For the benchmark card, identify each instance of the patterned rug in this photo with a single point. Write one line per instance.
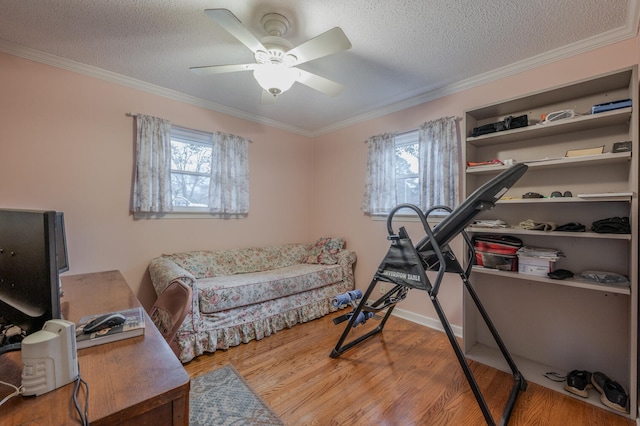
(223, 397)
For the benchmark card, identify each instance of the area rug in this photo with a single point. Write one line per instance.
(223, 397)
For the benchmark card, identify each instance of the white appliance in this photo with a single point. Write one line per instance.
(49, 357)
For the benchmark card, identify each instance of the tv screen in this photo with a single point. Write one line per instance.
(29, 285)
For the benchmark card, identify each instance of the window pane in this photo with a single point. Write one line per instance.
(408, 190)
(189, 190)
(190, 157)
(190, 167)
(407, 159)
(406, 163)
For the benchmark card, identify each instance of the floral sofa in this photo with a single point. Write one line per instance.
(243, 294)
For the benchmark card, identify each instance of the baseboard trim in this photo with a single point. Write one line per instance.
(426, 321)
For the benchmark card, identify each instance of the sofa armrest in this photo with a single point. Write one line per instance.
(347, 259)
(164, 271)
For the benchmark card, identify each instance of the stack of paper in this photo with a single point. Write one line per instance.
(493, 223)
(550, 254)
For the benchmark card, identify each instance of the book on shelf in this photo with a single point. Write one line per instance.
(133, 326)
(585, 151)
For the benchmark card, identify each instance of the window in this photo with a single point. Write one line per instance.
(209, 172)
(178, 169)
(418, 167)
(190, 168)
(407, 155)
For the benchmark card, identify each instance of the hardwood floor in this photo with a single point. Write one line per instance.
(407, 375)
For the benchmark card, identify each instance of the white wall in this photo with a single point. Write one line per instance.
(66, 144)
(341, 160)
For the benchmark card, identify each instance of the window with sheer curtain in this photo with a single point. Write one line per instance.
(418, 167)
(209, 172)
(184, 170)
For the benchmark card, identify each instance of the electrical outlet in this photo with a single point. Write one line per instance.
(382, 287)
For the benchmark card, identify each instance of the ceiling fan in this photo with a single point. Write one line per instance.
(276, 59)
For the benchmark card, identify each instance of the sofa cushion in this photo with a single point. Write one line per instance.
(231, 291)
(207, 264)
(325, 250)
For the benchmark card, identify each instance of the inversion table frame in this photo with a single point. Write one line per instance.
(405, 265)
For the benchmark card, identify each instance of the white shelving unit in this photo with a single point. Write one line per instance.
(562, 325)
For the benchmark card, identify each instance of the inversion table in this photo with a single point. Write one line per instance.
(405, 266)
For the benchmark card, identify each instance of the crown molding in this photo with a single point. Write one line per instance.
(628, 31)
(112, 77)
(551, 56)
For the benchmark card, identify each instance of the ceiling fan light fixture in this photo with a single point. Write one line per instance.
(275, 78)
(276, 59)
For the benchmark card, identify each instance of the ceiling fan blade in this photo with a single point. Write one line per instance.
(327, 43)
(221, 69)
(229, 22)
(267, 98)
(321, 84)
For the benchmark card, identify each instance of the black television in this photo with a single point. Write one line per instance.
(32, 255)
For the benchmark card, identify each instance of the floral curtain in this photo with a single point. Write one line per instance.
(380, 186)
(152, 182)
(229, 186)
(439, 163)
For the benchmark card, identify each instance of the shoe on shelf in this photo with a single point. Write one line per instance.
(578, 382)
(598, 380)
(613, 394)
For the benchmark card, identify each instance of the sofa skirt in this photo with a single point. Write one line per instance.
(225, 329)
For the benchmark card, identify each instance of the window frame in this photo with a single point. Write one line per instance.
(410, 137)
(192, 137)
(407, 138)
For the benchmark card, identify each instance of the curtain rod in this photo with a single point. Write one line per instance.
(133, 114)
(413, 130)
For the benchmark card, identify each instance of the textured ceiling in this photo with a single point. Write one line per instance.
(404, 51)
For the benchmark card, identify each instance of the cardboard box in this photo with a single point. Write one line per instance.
(535, 266)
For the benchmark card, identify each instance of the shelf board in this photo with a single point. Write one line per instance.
(569, 282)
(614, 197)
(576, 124)
(532, 372)
(520, 231)
(563, 162)
(563, 200)
(555, 95)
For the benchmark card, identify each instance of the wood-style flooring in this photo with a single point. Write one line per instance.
(406, 375)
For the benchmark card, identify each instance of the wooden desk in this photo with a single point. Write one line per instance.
(133, 381)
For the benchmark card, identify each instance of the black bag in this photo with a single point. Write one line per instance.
(497, 251)
(509, 122)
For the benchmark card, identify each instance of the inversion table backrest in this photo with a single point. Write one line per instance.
(482, 198)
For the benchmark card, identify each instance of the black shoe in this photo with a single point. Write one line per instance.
(613, 394)
(578, 381)
(598, 380)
